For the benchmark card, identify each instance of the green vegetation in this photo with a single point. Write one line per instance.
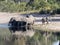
(42, 6)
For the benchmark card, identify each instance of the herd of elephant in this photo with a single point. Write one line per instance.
(24, 22)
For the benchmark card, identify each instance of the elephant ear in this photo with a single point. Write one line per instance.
(32, 17)
(11, 19)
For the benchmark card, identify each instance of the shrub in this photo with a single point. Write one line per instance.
(53, 12)
(42, 12)
(58, 11)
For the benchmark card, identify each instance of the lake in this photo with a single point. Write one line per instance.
(31, 37)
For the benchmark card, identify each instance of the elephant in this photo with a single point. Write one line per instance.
(30, 19)
(21, 23)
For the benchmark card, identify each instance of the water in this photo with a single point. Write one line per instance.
(32, 37)
(4, 25)
(56, 43)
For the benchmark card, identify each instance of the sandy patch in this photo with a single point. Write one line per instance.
(5, 17)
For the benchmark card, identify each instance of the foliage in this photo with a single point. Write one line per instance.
(42, 5)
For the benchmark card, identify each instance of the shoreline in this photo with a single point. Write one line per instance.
(5, 17)
(52, 26)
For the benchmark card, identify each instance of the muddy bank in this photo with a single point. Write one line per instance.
(5, 17)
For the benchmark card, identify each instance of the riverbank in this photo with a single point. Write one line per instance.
(5, 17)
(51, 27)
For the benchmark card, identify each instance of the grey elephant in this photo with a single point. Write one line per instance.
(21, 23)
(30, 21)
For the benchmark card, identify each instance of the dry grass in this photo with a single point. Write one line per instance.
(28, 12)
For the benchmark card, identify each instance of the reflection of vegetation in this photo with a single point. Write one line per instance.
(38, 38)
(3, 35)
(35, 39)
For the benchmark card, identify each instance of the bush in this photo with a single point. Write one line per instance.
(43, 6)
(53, 12)
(12, 7)
(58, 11)
(44, 12)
